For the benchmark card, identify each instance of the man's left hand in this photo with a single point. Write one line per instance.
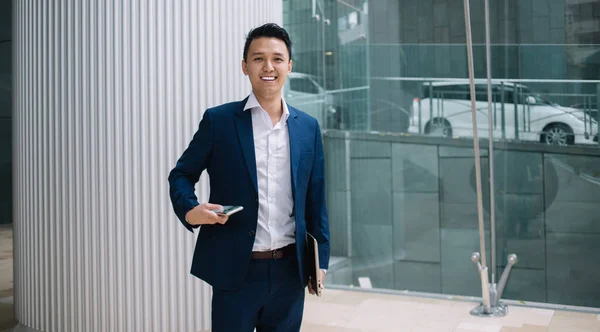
(322, 286)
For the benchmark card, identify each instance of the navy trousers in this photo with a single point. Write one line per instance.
(271, 299)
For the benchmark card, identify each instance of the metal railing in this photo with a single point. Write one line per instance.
(507, 94)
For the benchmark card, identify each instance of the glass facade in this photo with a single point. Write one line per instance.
(388, 80)
(5, 112)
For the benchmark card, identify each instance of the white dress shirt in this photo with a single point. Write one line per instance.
(276, 224)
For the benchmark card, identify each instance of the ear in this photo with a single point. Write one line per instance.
(244, 69)
(290, 66)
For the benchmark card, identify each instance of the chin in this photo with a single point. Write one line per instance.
(268, 90)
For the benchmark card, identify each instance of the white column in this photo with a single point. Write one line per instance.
(107, 95)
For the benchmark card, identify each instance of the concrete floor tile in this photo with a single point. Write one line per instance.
(328, 314)
(324, 328)
(575, 315)
(479, 327)
(354, 311)
(525, 328)
(564, 323)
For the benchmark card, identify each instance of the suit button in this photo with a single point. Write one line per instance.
(251, 233)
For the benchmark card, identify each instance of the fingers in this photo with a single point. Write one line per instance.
(204, 214)
(215, 218)
(209, 215)
(210, 206)
(222, 219)
(310, 290)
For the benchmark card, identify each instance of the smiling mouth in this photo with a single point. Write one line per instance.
(268, 78)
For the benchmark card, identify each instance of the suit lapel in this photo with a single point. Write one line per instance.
(243, 122)
(294, 129)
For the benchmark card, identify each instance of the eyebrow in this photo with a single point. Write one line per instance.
(261, 53)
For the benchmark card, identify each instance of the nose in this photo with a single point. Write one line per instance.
(268, 66)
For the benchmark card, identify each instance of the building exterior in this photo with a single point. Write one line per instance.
(403, 206)
(5, 112)
(106, 96)
(96, 102)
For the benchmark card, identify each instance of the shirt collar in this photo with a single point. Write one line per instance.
(253, 103)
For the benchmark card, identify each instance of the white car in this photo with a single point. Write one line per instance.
(303, 92)
(445, 110)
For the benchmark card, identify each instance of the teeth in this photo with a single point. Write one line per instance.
(268, 78)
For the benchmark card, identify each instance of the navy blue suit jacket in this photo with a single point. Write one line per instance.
(224, 146)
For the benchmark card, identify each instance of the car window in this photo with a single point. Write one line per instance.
(456, 92)
(303, 84)
(521, 94)
(509, 94)
(481, 93)
(462, 92)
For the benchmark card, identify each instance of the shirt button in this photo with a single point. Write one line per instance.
(251, 233)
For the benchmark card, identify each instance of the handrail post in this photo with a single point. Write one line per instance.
(598, 111)
(490, 292)
(503, 115)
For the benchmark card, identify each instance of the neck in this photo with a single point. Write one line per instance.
(271, 104)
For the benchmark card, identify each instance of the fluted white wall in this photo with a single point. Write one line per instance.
(107, 94)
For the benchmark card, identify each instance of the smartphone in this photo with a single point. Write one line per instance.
(228, 210)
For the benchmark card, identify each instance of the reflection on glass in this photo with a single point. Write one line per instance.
(443, 109)
(387, 80)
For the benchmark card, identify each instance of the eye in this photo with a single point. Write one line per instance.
(258, 59)
(279, 59)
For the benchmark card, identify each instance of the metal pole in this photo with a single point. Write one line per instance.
(484, 279)
(431, 105)
(502, 109)
(523, 102)
(323, 48)
(491, 292)
(420, 117)
(491, 138)
(322, 18)
(368, 65)
(597, 111)
(588, 111)
(475, 135)
(516, 103)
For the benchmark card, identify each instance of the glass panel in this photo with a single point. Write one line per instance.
(399, 142)
(6, 202)
(572, 228)
(303, 85)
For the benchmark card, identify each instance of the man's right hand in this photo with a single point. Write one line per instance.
(202, 215)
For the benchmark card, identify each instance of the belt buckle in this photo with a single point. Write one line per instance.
(277, 254)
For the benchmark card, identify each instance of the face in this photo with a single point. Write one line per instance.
(267, 65)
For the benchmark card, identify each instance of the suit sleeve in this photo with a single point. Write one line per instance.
(316, 209)
(189, 167)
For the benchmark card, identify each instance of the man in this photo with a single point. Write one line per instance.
(267, 157)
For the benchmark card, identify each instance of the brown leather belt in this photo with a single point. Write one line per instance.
(275, 254)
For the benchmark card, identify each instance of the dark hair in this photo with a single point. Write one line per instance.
(271, 30)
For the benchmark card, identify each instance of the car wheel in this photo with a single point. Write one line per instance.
(438, 127)
(557, 134)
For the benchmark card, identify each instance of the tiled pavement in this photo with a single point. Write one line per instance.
(353, 311)
(6, 277)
